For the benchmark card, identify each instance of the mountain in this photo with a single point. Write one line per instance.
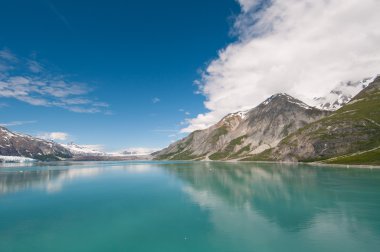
(18, 145)
(242, 133)
(351, 135)
(83, 150)
(341, 94)
(15, 147)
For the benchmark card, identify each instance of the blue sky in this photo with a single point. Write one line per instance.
(122, 73)
(118, 73)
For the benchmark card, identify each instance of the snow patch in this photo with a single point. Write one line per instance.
(16, 159)
(341, 94)
(289, 98)
(83, 150)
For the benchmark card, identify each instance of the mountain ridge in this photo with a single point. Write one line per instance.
(15, 144)
(347, 134)
(245, 132)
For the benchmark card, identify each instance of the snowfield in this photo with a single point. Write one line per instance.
(15, 159)
(83, 150)
(342, 94)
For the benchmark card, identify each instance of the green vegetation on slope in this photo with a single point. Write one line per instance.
(240, 152)
(226, 152)
(371, 157)
(218, 133)
(186, 155)
(179, 152)
(263, 156)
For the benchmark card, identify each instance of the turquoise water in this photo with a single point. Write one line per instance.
(153, 206)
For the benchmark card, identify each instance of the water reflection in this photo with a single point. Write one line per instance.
(290, 196)
(52, 177)
(240, 196)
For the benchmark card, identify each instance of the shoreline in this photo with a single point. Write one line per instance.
(348, 166)
(148, 158)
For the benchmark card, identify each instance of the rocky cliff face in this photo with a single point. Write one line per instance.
(244, 133)
(13, 144)
(350, 132)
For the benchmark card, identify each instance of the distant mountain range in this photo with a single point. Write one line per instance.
(15, 147)
(83, 150)
(283, 128)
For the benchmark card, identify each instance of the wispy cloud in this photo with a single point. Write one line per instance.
(303, 48)
(28, 81)
(139, 150)
(59, 15)
(156, 100)
(6, 54)
(95, 147)
(184, 111)
(34, 66)
(16, 123)
(61, 136)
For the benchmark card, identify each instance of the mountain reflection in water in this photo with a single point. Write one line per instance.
(212, 206)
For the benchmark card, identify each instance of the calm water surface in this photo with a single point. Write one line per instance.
(157, 206)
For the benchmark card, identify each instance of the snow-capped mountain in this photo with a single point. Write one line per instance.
(83, 150)
(19, 145)
(342, 94)
(15, 147)
(80, 151)
(248, 132)
(350, 134)
(288, 98)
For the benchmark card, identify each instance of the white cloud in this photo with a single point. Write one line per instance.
(61, 136)
(6, 54)
(34, 66)
(301, 47)
(156, 100)
(247, 5)
(16, 123)
(95, 147)
(139, 150)
(27, 81)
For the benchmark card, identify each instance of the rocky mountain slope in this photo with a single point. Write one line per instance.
(349, 135)
(14, 144)
(243, 133)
